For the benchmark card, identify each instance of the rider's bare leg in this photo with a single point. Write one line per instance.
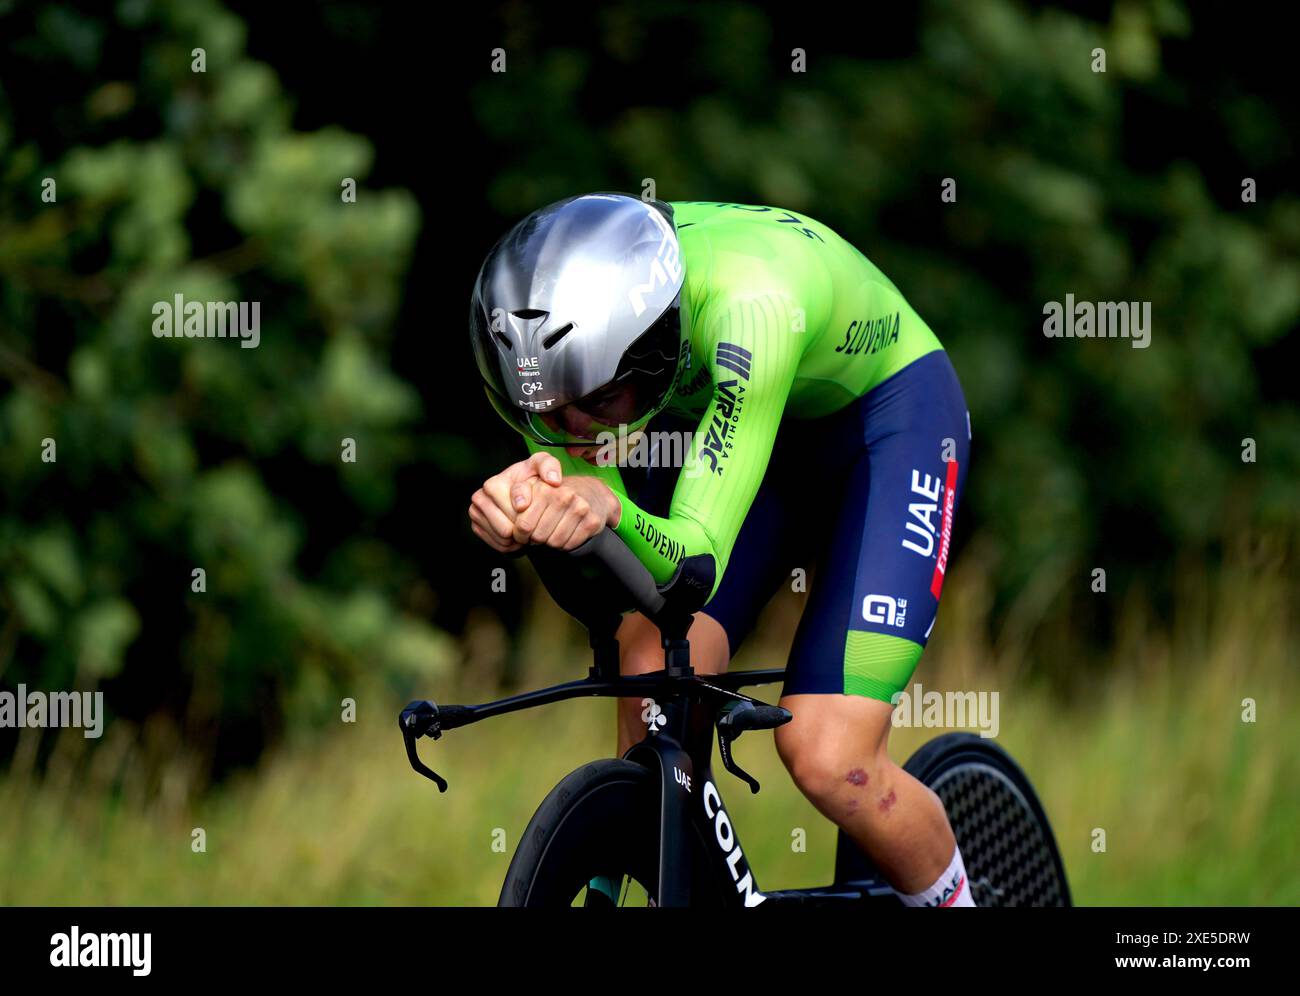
(836, 749)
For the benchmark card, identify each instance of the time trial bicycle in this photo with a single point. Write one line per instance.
(651, 828)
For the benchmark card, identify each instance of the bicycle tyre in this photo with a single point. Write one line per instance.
(602, 819)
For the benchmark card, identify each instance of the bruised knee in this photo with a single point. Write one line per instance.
(839, 782)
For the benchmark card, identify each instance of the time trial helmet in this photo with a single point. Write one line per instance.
(576, 318)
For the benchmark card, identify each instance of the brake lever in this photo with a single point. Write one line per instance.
(724, 749)
(735, 718)
(418, 719)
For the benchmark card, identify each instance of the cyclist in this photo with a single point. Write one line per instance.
(738, 384)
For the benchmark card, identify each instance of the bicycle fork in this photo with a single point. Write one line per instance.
(690, 802)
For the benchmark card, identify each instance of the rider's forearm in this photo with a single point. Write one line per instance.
(661, 543)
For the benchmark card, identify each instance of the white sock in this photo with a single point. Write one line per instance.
(951, 889)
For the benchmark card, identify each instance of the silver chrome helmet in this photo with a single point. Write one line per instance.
(576, 318)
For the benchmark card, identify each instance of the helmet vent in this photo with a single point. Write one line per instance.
(556, 336)
(529, 313)
(503, 340)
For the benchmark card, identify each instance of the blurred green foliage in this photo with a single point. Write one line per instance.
(166, 455)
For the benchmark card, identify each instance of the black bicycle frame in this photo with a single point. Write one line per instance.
(678, 746)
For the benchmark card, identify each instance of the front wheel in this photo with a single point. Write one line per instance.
(594, 841)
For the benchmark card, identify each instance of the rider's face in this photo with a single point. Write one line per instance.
(599, 412)
(572, 421)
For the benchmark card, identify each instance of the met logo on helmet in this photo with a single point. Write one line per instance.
(665, 266)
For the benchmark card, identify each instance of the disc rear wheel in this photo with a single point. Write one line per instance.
(1006, 842)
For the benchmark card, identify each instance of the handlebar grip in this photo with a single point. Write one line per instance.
(614, 555)
(749, 714)
(769, 717)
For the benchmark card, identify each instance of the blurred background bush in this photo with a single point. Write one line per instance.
(328, 579)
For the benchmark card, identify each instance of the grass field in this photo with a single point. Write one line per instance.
(1198, 807)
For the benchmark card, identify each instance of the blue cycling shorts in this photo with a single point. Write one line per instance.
(867, 497)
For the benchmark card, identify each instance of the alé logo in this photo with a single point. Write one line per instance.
(885, 610)
(665, 266)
